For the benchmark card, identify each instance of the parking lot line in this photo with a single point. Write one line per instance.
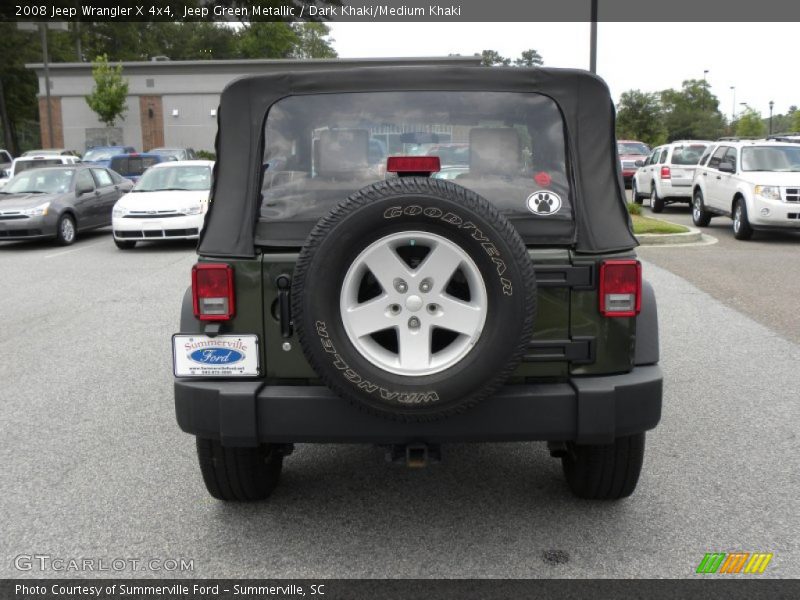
(63, 252)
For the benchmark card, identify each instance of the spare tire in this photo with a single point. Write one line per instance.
(414, 298)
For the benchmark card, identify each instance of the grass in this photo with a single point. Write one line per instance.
(648, 225)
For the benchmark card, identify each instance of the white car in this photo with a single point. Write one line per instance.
(169, 202)
(755, 183)
(667, 174)
(35, 161)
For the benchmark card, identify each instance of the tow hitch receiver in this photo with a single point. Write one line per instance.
(414, 456)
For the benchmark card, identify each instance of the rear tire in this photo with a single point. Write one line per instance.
(239, 474)
(604, 472)
(124, 245)
(741, 223)
(700, 216)
(656, 202)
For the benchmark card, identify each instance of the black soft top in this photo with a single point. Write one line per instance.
(602, 221)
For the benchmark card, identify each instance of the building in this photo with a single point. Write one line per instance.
(170, 103)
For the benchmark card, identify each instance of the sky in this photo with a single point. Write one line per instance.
(758, 59)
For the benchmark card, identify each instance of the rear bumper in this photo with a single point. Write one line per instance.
(588, 410)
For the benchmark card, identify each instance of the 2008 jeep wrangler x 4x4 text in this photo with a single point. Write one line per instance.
(346, 294)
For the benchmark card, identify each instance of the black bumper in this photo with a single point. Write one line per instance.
(588, 410)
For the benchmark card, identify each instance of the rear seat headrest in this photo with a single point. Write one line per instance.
(494, 151)
(342, 152)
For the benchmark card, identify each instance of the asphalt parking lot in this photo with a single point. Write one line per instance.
(94, 464)
(760, 277)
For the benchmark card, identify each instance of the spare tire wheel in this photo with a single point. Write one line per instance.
(414, 298)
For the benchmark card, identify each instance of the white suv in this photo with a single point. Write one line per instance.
(756, 183)
(666, 176)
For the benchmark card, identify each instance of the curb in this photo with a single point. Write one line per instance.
(693, 236)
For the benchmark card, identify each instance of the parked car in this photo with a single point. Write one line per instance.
(36, 161)
(755, 183)
(131, 166)
(630, 153)
(176, 153)
(667, 174)
(168, 202)
(334, 306)
(58, 202)
(102, 155)
(52, 152)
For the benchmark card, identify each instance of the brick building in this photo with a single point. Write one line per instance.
(170, 103)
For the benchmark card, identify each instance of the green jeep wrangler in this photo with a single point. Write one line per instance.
(409, 256)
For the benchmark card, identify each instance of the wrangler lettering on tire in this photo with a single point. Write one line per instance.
(414, 298)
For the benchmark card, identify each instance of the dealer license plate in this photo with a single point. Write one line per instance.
(220, 356)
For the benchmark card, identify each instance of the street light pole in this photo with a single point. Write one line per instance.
(733, 107)
(43, 31)
(771, 104)
(593, 39)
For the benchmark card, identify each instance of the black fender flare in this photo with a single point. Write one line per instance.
(647, 346)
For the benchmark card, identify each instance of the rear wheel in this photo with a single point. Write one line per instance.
(65, 230)
(700, 216)
(239, 474)
(656, 202)
(604, 472)
(125, 245)
(741, 224)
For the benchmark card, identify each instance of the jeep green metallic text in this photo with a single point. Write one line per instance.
(344, 293)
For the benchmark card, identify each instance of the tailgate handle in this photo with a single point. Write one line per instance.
(284, 283)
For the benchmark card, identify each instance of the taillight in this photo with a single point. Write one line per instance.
(620, 288)
(665, 173)
(212, 291)
(413, 164)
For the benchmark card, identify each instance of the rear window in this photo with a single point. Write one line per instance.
(633, 148)
(688, 155)
(24, 165)
(507, 147)
(132, 165)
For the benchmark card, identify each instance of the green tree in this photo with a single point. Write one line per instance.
(795, 120)
(313, 41)
(639, 117)
(261, 39)
(529, 58)
(692, 112)
(110, 91)
(750, 124)
(491, 58)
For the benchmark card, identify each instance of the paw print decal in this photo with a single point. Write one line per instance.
(544, 203)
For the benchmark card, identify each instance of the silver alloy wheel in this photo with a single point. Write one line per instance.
(696, 209)
(737, 218)
(67, 229)
(413, 302)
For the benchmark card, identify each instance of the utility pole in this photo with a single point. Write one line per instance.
(593, 39)
(733, 108)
